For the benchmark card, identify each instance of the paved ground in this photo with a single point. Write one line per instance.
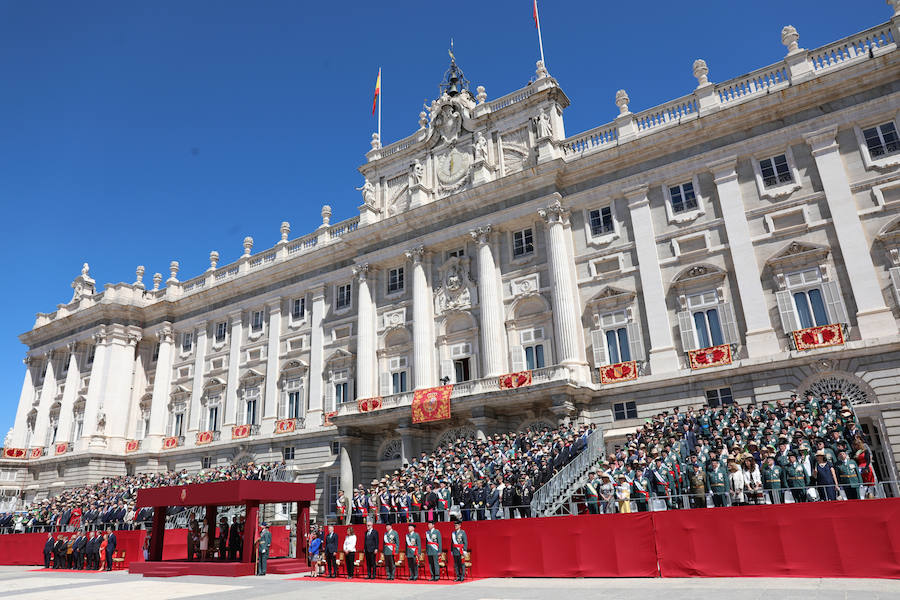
(21, 584)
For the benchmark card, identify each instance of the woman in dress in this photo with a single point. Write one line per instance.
(315, 548)
(752, 481)
(826, 478)
(350, 552)
(204, 544)
(103, 558)
(736, 478)
(863, 457)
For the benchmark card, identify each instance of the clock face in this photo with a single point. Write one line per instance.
(453, 167)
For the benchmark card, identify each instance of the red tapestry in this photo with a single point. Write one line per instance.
(367, 404)
(62, 447)
(36, 453)
(204, 437)
(14, 453)
(625, 371)
(515, 380)
(285, 425)
(819, 337)
(716, 356)
(326, 418)
(432, 404)
(169, 443)
(132, 446)
(239, 432)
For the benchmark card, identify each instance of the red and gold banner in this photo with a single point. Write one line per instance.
(204, 437)
(36, 453)
(432, 404)
(62, 448)
(326, 418)
(132, 446)
(515, 380)
(367, 404)
(239, 432)
(14, 453)
(715, 356)
(285, 425)
(169, 443)
(624, 371)
(819, 337)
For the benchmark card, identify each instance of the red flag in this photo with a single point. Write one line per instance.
(535, 15)
(378, 90)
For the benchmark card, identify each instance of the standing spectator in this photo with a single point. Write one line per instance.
(350, 552)
(331, 548)
(110, 549)
(262, 545)
(48, 550)
(104, 544)
(315, 549)
(848, 476)
(736, 483)
(697, 483)
(863, 457)
(223, 538)
(753, 484)
(717, 482)
(623, 494)
(370, 547)
(826, 478)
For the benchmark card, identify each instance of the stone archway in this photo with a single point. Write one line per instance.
(853, 389)
(451, 434)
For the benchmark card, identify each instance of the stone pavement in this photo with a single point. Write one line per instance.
(20, 583)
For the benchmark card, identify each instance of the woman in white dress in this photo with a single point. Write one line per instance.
(736, 478)
(204, 544)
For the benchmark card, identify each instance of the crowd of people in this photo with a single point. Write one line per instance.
(798, 450)
(92, 550)
(491, 478)
(110, 503)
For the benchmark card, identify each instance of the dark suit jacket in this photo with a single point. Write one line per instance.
(234, 536)
(331, 542)
(111, 543)
(371, 542)
(48, 546)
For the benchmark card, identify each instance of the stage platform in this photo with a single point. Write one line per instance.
(177, 568)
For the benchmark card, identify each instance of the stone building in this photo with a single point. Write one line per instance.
(737, 244)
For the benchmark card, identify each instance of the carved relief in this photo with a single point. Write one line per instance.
(457, 289)
(515, 150)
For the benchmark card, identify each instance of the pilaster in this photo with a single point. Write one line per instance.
(73, 380)
(26, 398)
(491, 326)
(270, 399)
(97, 385)
(234, 363)
(159, 403)
(365, 337)
(48, 393)
(316, 354)
(200, 342)
(423, 320)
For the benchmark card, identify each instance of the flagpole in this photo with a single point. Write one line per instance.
(380, 87)
(537, 19)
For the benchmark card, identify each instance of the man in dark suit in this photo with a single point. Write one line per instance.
(48, 550)
(331, 547)
(223, 538)
(60, 553)
(370, 548)
(493, 501)
(234, 539)
(89, 552)
(78, 552)
(110, 549)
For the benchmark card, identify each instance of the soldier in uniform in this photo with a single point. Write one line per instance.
(433, 550)
(443, 494)
(848, 475)
(263, 544)
(525, 492)
(773, 476)
(372, 501)
(384, 506)
(795, 478)
(415, 501)
(697, 487)
(223, 538)
(641, 487)
(592, 494)
(413, 549)
(717, 482)
(356, 512)
(479, 497)
(459, 545)
(403, 507)
(391, 549)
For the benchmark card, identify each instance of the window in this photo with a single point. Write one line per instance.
(617, 340)
(334, 484)
(810, 308)
(523, 242)
(462, 370)
(221, 331)
(342, 299)
(212, 417)
(397, 366)
(92, 351)
(335, 448)
(683, 197)
(341, 382)
(287, 453)
(882, 140)
(458, 253)
(532, 344)
(617, 345)
(601, 221)
(256, 320)
(155, 356)
(705, 312)
(775, 171)
(206, 462)
(78, 426)
(293, 390)
(719, 397)
(809, 301)
(625, 410)
(251, 399)
(298, 308)
(187, 341)
(177, 425)
(395, 280)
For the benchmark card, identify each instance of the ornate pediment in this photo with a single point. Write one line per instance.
(611, 296)
(798, 253)
(890, 233)
(697, 274)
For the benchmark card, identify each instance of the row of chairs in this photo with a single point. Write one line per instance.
(401, 564)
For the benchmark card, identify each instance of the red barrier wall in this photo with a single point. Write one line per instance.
(858, 538)
(28, 548)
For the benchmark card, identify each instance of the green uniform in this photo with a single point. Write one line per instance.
(717, 482)
(848, 478)
(265, 542)
(796, 480)
(773, 477)
(592, 496)
(433, 550)
(413, 549)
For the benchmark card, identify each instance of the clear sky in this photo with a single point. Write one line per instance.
(135, 133)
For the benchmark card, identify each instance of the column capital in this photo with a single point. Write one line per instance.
(166, 333)
(822, 141)
(415, 254)
(482, 235)
(636, 195)
(200, 326)
(555, 212)
(101, 337)
(723, 170)
(72, 347)
(235, 317)
(361, 271)
(28, 360)
(318, 291)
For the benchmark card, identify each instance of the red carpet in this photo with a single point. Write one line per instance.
(68, 570)
(397, 581)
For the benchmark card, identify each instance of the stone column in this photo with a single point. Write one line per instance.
(761, 337)
(270, 400)
(26, 398)
(482, 419)
(200, 341)
(347, 440)
(875, 320)
(48, 394)
(159, 404)
(663, 356)
(94, 400)
(316, 355)
(567, 329)
(423, 321)
(116, 393)
(365, 335)
(407, 434)
(491, 326)
(234, 362)
(73, 380)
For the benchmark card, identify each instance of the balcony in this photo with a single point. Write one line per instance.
(173, 442)
(63, 448)
(132, 446)
(823, 336)
(239, 432)
(289, 425)
(206, 437)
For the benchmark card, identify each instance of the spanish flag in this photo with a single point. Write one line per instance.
(377, 91)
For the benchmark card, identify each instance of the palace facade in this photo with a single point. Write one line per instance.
(737, 244)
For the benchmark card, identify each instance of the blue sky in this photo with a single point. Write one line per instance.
(139, 133)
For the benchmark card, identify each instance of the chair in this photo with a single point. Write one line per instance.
(339, 560)
(400, 563)
(118, 560)
(379, 563)
(467, 560)
(442, 565)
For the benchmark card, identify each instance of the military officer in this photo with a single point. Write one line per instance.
(459, 545)
(697, 487)
(592, 494)
(433, 550)
(391, 550)
(443, 494)
(773, 475)
(263, 544)
(795, 478)
(717, 482)
(413, 549)
(415, 503)
(343, 508)
(848, 475)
